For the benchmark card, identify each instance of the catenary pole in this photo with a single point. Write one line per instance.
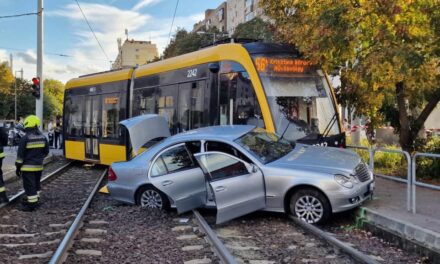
(40, 39)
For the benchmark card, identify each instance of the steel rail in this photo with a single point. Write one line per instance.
(222, 252)
(50, 175)
(61, 252)
(352, 252)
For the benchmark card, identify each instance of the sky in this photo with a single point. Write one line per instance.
(70, 49)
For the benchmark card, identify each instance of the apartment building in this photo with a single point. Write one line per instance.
(241, 11)
(213, 18)
(134, 52)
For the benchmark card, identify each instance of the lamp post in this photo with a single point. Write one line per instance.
(15, 91)
(213, 35)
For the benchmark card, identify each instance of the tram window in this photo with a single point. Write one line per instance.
(144, 101)
(74, 116)
(166, 105)
(236, 87)
(110, 115)
(190, 109)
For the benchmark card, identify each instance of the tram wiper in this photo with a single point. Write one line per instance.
(329, 125)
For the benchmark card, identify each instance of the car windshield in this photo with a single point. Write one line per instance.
(265, 146)
(298, 94)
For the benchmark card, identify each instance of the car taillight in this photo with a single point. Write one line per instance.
(111, 174)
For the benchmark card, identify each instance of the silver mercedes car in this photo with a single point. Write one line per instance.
(236, 170)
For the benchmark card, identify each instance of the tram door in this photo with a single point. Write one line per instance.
(92, 126)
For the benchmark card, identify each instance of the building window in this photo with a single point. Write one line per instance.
(221, 14)
(137, 57)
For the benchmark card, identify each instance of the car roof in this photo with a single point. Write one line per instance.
(229, 132)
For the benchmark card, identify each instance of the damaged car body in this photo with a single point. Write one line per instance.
(238, 170)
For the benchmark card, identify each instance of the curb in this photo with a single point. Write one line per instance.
(416, 238)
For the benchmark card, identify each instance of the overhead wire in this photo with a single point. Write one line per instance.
(48, 53)
(172, 22)
(20, 15)
(93, 32)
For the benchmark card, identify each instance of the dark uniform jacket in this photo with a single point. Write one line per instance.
(3, 141)
(32, 149)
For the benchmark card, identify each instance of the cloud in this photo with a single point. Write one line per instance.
(109, 23)
(27, 57)
(144, 3)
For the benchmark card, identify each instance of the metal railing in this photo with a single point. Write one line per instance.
(414, 177)
(411, 177)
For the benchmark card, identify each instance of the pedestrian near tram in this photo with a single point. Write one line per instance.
(3, 142)
(32, 149)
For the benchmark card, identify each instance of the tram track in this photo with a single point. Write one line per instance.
(277, 240)
(33, 237)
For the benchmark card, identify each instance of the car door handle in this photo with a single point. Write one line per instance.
(168, 182)
(220, 189)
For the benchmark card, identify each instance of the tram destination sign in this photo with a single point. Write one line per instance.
(274, 65)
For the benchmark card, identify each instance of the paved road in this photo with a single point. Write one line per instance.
(9, 161)
(390, 200)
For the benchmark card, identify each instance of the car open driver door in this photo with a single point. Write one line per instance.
(238, 186)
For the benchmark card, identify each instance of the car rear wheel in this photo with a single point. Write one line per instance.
(150, 197)
(310, 205)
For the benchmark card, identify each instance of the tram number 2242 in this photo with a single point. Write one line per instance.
(191, 73)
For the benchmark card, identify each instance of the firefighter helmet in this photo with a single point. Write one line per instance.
(31, 122)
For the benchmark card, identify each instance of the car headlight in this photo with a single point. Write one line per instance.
(344, 181)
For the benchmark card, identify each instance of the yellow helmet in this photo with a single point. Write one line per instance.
(31, 122)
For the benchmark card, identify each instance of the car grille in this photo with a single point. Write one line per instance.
(362, 172)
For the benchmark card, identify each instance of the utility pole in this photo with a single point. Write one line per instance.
(40, 40)
(15, 86)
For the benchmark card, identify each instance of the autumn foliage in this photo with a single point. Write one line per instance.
(383, 48)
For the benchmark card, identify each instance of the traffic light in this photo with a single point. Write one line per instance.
(36, 87)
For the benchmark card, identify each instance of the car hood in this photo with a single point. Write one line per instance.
(327, 158)
(144, 128)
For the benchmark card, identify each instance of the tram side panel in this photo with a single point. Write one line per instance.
(91, 117)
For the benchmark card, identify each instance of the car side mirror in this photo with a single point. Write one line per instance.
(251, 168)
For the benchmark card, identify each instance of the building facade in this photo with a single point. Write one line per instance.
(214, 18)
(133, 53)
(241, 11)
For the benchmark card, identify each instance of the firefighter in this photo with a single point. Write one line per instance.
(32, 149)
(3, 142)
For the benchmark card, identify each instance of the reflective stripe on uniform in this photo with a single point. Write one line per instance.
(2, 189)
(32, 198)
(19, 161)
(35, 144)
(32, 168)
(2, 155)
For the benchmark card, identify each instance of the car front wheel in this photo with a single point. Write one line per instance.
(150, 197)
(310, 205)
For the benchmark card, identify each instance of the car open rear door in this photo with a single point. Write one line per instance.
(182, 180)
(238, 187)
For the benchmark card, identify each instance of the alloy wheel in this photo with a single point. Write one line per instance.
(151, 199)
(309, 209)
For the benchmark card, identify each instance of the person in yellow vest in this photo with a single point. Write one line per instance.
(32, 149)
(3, 142)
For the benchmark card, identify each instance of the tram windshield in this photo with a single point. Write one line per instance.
(299, 97)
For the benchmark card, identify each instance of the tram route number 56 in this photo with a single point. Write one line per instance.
(191, 73)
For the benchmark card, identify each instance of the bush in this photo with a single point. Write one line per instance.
(428, 168)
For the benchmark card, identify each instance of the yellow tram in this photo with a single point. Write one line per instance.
(263, 84)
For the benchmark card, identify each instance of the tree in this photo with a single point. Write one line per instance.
(256, 28)
(185, 42)
(384, 48)
(53, 98)
(6, 78)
